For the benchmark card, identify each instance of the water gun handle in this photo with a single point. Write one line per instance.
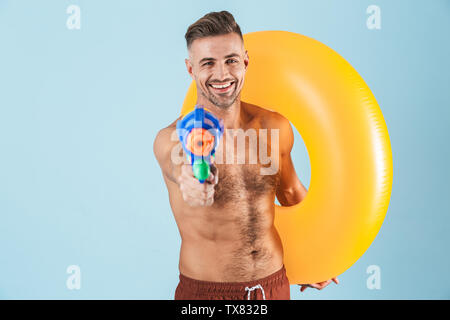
(201, 169)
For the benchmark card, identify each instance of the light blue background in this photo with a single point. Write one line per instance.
(79, 110)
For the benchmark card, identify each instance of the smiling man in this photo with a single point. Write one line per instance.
(230, 248)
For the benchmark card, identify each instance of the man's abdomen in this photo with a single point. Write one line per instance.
(232, 260)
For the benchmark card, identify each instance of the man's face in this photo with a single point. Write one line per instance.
(218, 61)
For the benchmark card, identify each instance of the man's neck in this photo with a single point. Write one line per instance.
(231, 116)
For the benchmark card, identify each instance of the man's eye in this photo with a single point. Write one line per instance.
(207, 63)
(232, 60)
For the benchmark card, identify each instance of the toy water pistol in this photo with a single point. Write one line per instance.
(200, 132)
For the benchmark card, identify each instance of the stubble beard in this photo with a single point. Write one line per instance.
(222, 105)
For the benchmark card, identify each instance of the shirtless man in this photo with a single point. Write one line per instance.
(230, 248)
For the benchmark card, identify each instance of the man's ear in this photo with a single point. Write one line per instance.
(189, 67)
(246, 58)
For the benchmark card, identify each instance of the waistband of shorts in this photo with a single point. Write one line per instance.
(204, 286)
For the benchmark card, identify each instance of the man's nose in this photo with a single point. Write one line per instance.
(222, 72)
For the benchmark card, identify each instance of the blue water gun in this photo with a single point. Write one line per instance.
(200, 132)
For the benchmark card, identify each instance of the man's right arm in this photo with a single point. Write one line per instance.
(162, 148)
(194, 193)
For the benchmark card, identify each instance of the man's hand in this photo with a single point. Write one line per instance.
(194, 192)
(318, 285)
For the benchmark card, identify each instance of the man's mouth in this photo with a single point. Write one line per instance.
(222, 87)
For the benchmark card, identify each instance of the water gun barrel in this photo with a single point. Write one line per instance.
(200, 132)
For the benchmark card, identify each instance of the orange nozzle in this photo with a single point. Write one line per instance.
(200, 142)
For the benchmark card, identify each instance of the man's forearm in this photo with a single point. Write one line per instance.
(292, 196)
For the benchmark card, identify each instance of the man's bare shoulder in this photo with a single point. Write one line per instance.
(165, 140)
(271, 119)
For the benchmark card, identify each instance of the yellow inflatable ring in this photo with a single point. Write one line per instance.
(347, 140)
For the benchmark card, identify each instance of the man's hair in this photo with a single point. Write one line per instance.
(212, 24)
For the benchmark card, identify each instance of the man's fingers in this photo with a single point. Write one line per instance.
(213, 167)
(213, 176)
(306, 286)
(188, 178)
(186, 169)
(193, 183)
(194, 201)
(324, 284)
(198, 202)
(199, 190)
(194, 192)
(209, 202)
(319, 285)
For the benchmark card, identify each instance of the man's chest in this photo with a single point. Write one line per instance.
(243, 184)
(252, 148)
(248, 164)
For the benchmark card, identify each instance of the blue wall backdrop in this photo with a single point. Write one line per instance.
(79, 109)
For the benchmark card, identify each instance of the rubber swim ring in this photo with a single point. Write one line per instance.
(348, 144)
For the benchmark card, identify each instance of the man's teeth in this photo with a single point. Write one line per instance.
(221, 86)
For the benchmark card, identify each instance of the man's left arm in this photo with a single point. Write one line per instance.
(290, 190)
